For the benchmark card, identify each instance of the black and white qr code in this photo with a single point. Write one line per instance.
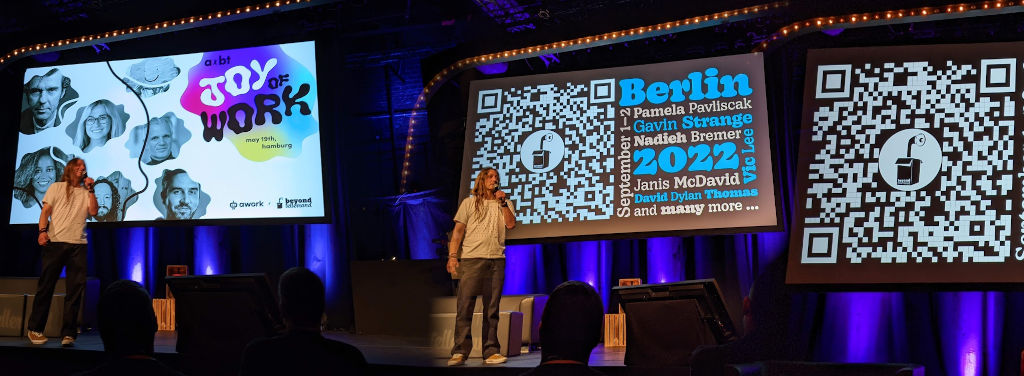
(912, 163)
(554, 146)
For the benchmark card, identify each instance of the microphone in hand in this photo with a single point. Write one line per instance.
(88, 182)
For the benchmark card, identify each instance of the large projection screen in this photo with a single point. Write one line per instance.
(666, 148)
(910, 166)
(231, 135)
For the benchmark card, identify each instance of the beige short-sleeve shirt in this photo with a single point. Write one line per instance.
(67, 219)
(485, 229)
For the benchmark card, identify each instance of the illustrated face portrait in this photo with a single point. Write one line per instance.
(44, 174)
(105, 199)
(124, 187)
(160, 140)
(182, 197)
(152, 76)
(97, 125)
(43, 95)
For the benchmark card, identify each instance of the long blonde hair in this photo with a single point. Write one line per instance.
(68, 174)
(480, 187)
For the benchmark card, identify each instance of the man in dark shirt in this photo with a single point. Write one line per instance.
(570, 328)
(127, 326)
(302, 350)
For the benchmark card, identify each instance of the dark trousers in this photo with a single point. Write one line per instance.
(484, 277)
(55, 257)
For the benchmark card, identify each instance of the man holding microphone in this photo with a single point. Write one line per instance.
(66, 205)
(479, 234)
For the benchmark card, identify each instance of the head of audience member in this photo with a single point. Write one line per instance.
(43, 94)
(107, 199)
(127, 322)
(302, 299)
(36, 172)
(100, 122)
(766, 309)
(179, 194)
(570, 326)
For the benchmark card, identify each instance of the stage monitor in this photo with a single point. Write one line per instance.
(222, 313)
(910, 167)
(650, 150)
(206, 138)
(666, 322)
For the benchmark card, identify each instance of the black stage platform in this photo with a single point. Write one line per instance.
(386, 355)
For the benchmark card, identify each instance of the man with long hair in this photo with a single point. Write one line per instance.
(479, 236)
(66, 206)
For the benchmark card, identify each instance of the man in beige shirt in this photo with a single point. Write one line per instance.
(480, 226)
(66, 206)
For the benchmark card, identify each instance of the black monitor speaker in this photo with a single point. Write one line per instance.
(217, 315)
(666, 322)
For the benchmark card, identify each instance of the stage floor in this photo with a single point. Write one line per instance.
(378, 350)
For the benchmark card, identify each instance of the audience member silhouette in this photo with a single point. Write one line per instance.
(570, 328)
(767, 312)
(127, 327)
(302, 350)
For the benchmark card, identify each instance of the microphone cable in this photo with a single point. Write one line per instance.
(145, 140)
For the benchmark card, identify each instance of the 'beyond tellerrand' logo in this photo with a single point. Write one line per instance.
(288, 203)
(250, 204)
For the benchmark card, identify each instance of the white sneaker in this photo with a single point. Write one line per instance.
(67, 341)
(495, 359)
(36, 338)
(457, 360)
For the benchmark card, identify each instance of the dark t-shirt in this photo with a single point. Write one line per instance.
(301, 353)
(131, 366)
(563, 370)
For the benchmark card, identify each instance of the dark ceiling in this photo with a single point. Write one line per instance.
(479, 25)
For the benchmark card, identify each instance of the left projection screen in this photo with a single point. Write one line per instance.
(221, 135)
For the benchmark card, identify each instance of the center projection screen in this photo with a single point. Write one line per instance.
(910, 166)
(222, 135)
(668, 148)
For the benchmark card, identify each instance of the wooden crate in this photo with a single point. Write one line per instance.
(164, 309)
(615, 330)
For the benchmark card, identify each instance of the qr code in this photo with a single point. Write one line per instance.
(947, 203)
(554, 146)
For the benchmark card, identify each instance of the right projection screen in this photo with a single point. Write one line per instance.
(910, 166)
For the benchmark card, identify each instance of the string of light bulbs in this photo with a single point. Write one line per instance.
(614, 37)
(247, 11)
(867, 19)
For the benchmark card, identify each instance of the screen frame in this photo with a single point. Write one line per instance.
(465, 185)
(325, 117)
(800, 185)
